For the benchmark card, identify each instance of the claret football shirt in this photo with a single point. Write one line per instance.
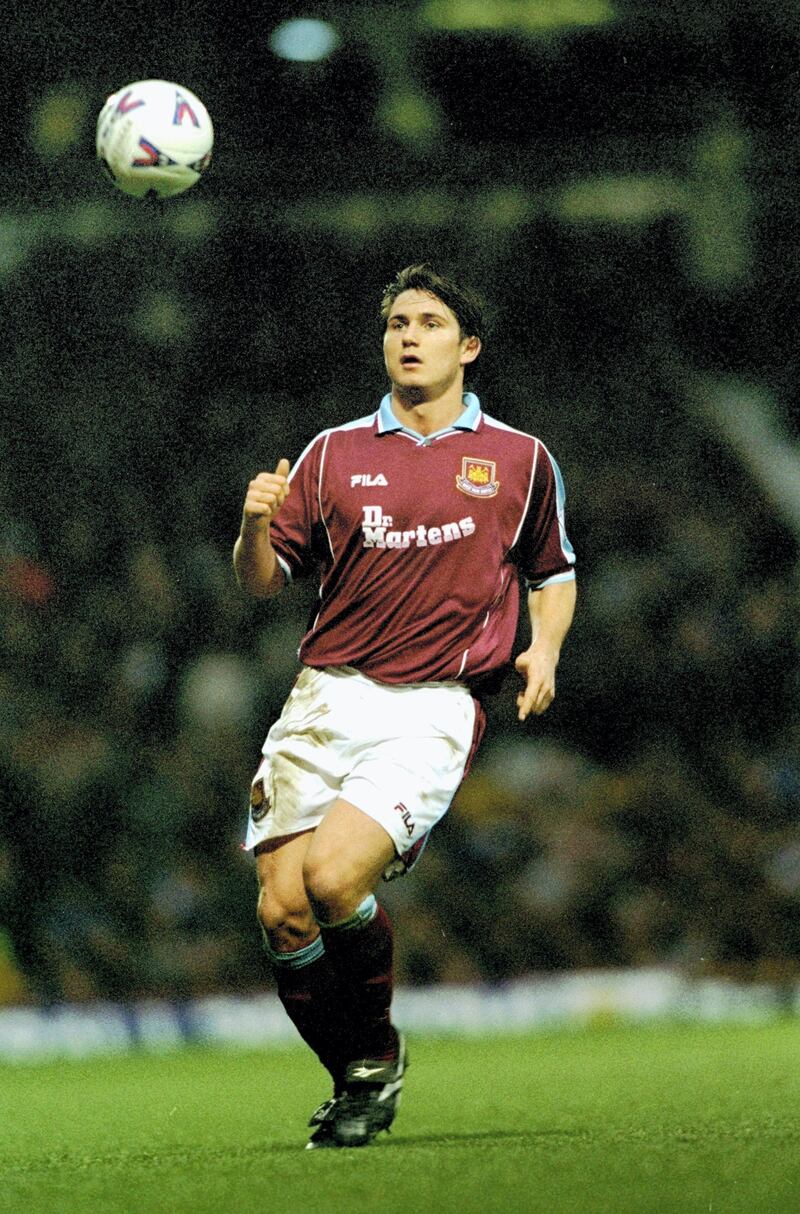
(420, 541)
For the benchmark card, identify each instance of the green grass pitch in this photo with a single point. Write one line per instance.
(607, 1120)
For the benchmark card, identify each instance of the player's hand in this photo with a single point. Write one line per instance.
(538, 669)
(266, 493)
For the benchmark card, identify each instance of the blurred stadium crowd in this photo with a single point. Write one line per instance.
(633, 225)
(650, 817)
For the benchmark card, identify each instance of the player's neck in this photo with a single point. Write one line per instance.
(427, 415)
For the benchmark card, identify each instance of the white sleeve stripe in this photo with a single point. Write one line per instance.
(530, 491)
(287, 571)
(319, 491)
(566, 546)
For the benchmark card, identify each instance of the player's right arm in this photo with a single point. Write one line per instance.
(257, 569)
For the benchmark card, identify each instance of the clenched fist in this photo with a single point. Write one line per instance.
(266, 494)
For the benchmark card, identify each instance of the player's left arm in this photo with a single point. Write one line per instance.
(551, 609)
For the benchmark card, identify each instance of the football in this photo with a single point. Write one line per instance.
(154, 137)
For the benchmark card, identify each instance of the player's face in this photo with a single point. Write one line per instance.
(423, 347)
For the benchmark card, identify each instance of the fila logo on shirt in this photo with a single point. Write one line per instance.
(369, 482)
(378, 533)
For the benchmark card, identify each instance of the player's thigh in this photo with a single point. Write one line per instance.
(282, 899)
(346, 856)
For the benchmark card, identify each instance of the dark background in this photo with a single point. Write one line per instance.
(624, 194)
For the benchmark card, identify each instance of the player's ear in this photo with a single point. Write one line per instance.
(470, 349)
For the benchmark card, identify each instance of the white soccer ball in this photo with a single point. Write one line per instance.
(153, 136)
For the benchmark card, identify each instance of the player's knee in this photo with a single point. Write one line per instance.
(329, 889)
(285, 927)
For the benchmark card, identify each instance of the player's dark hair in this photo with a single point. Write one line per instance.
(465, 305)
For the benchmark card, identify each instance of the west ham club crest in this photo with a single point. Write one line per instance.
(478, 477)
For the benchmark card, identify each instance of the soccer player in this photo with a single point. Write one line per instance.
(419, 520)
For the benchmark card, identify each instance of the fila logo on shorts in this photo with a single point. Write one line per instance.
(376, 527)
(369, 482)
(408, 821)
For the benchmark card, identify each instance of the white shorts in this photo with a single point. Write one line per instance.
(396, 753)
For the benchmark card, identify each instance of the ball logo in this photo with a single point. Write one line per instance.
(152, 156)
(478, 477)
(125, 105)
(184, 110)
